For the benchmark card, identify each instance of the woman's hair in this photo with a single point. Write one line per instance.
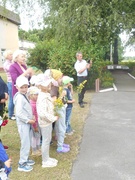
(6, 53)
(17, 53)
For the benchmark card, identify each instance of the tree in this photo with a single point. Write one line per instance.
(85, 23)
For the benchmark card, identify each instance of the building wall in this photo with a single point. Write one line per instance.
(8, 37)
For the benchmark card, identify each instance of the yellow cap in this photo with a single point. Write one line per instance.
(56, 74)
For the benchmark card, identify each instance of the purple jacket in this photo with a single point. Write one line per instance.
(15, 72)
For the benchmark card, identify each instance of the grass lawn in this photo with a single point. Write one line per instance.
(10, 137)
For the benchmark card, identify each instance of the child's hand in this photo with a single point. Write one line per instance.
(73, 100)
(6, 96)
(57, 117)
(36, 130)
(70, 85)
(2, 100)
(8, 162)
(31, 121)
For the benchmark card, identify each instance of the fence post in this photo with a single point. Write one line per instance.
(97, 85)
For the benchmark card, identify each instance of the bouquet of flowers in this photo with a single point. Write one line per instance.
(81, 86)
(4, 119)
(58, 104)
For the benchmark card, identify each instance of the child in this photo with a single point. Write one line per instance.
(24, 118)
(45, 110)
(68, 94)
(60, 126)
(5, 163)
(35, 131)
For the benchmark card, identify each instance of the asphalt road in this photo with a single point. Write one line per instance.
(107, 150)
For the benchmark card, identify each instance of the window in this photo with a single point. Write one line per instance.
(2, 57)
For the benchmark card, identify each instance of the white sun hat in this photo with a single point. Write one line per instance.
(21, 80)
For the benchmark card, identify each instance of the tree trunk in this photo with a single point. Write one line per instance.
(115, 55)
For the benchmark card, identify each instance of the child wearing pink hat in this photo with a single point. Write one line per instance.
(46, 117)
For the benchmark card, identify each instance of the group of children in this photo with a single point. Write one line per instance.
(36, 118)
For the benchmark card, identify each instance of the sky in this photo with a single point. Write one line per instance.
(129, 50)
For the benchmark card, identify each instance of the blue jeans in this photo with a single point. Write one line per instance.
(10, 102)
(68, 118)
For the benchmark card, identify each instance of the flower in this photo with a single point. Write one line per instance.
(58, 104)
(81, 86)
(4, 120)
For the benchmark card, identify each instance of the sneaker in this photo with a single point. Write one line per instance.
(66, 145)
(49, 163)
(70, 133)
(13, 118)
(5, 147)
(30, 162)
(81, 105)
(63, 150)
(51, 142)
(25, 167)
(53, 160)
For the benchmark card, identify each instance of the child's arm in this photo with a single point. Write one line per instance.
(19, 105)
(8, 163)
(3, 97)
(71, 88)
(43, 112)
(71, 101)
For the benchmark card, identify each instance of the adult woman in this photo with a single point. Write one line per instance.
(19, 68)
(8, 55)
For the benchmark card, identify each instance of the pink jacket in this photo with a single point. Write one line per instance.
(34, 110)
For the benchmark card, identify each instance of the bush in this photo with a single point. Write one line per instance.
(99, 70)
(106, 79)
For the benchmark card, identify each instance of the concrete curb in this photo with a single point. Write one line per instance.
(109, 89)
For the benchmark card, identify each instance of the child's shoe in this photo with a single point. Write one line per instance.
(70, 133)
(53, 160)
(63, 150)
(30, 162)
(49, 163)
(24, 167)
(66, 145)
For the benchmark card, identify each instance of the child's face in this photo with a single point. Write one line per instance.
(33, 97)
(23, 89)
(45, 89)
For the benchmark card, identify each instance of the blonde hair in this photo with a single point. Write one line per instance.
(17, 53)
(6, 53)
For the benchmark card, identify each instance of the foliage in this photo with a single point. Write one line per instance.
(106, 79)
(34, 35)
(131, 65)
(63, 57)
(39, 56)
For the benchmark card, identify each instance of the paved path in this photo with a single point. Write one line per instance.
(107, 150)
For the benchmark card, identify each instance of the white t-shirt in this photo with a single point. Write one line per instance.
(80, 65)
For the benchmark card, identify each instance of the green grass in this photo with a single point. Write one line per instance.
(62, 171)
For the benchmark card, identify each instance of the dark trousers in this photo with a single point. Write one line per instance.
(81, 94)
